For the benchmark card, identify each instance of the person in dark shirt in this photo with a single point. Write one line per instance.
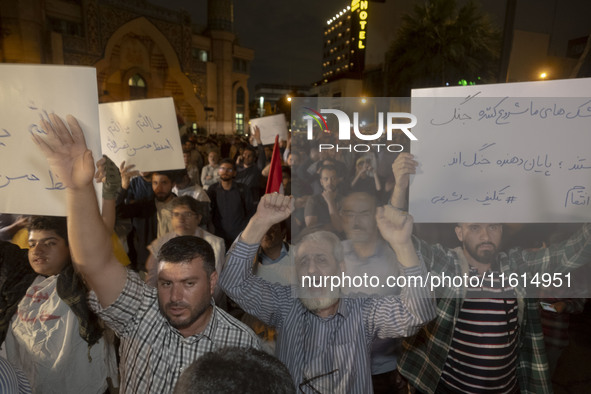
(231, 203)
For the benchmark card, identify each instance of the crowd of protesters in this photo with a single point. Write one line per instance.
(202, 262)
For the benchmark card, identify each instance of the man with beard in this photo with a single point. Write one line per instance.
(151, 218)
(162, 330)
(231, 203)
(251, 164)
(323, 339)
(186, 218)
(487, 338)
(322, 209)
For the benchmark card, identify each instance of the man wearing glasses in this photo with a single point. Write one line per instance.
(231, 203)
(186, 218)
(325, 339)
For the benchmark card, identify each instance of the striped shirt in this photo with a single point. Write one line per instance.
(425, 354)
(328, 355)
(153, 353)
(483, 352)
(12, 379)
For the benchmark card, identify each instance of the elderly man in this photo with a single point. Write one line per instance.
(323, 339)
(161, 330)
(487, 338)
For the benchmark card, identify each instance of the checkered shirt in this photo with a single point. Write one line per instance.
(153, 353)
(424, 355)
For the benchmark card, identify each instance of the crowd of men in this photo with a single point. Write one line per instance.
(182, 276)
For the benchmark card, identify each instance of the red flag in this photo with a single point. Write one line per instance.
(274, 183)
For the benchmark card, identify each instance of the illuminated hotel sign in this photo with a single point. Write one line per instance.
(362, 6)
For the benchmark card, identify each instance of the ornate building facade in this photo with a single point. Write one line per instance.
(139, 51)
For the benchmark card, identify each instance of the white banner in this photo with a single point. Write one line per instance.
(29, 93)
(142, 132)
(270, 126)
(514, 152)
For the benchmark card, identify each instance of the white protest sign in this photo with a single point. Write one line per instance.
(270, 126)
(142, 132)
(29, 93)
(503, 153)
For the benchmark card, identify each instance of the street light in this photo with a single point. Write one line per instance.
(543, 75)
(261, 106)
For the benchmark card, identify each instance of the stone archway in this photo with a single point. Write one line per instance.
(138, 47)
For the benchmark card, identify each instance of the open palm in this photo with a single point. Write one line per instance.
(65, 150)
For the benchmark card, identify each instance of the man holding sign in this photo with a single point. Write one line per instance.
(162, 330)
(487, 335)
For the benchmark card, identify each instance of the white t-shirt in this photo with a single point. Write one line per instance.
(44, 341)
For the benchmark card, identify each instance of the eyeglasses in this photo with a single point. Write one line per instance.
(184, 215)
(226, 169)
(308, 382)
(352, 214)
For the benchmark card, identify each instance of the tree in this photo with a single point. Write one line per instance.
(439, 44)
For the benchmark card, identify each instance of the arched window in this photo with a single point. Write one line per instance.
(240, 98)
(137, 87)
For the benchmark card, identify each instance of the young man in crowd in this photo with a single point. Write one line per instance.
(46, 326)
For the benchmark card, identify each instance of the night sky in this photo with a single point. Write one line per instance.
(286, 35)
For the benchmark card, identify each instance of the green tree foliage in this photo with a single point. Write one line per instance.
(437, 44)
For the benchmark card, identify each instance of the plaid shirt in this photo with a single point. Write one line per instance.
(424, 355)
(153, 353)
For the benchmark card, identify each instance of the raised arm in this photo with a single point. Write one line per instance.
(90, 242)
(403, 166)
(396, 228)
(108, 174)
(261, 159)
(256, 296)
(273, 208)
(402, 316)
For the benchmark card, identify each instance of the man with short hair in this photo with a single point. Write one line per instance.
(162, 330)
(231, 203)
(151, 218)
(236, 370)
(43, 308)
(186, 218)
(324, 339)
(251, 163)
(485, 338)
(322, 209)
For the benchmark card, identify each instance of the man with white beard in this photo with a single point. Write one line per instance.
(323, 339)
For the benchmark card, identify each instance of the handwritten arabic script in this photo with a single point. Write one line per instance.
(502, 159)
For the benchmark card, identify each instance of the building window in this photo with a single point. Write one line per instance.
(240, 100)
(239, 123)
(67, 28)
(137, 87)
(200, 54)
(240, 65)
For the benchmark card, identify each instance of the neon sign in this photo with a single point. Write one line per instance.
(362, 6)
